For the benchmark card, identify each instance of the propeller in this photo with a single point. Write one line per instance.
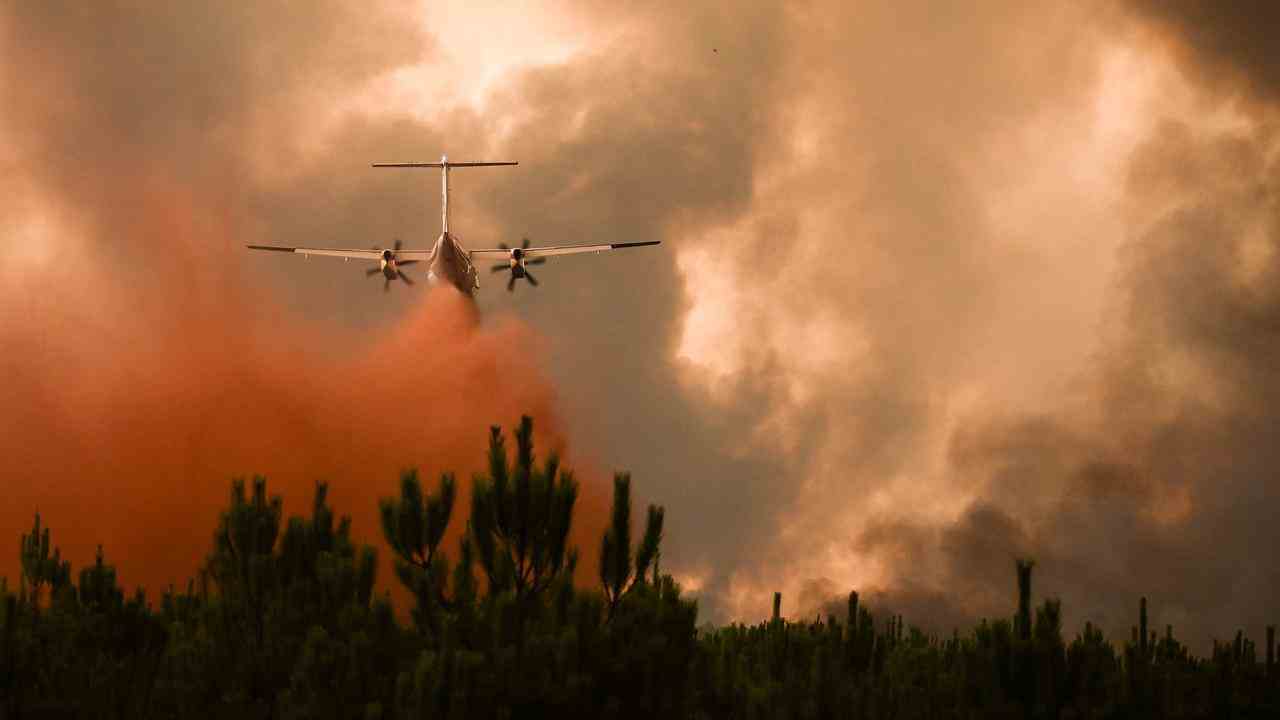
(518, 270)
(386, 284)
(507, 266)
(511, 284)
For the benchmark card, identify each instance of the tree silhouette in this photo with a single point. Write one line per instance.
(42, 565)
(242, 560)
(617, 574)
(414, 526)
(282, 621)
(98, 588)
(520, 518)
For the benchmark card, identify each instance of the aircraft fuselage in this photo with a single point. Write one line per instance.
(451, 264)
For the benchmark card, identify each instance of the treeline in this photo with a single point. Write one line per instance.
(1020, 667)
(282, 621)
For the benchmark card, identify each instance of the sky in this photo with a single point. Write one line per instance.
(939, 287)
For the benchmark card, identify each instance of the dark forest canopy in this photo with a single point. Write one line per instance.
(282, 620)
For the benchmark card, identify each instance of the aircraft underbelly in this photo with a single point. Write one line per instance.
(451, 266)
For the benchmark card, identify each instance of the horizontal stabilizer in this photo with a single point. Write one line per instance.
(448, 163)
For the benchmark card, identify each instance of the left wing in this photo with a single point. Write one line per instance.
(553, 250)
(373, 255)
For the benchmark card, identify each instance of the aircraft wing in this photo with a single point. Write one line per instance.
(374, 255)
(553, 250)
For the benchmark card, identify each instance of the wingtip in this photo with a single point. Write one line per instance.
(645, 243)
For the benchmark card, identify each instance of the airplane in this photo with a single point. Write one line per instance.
(448, 261)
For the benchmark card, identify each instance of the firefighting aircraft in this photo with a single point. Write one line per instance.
(448, 261)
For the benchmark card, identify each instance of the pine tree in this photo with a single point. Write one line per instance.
(1023, 653)
(10, 668)
(1022, 622)
(1050, 657)
(98, 588)
(1271, 653)
(414, 526)
(242, 563)
(320, 568)
(520, 519)
(1143, 647)
(618, 576)
(42, 564)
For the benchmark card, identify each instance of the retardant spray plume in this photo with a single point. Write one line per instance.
(134, 449)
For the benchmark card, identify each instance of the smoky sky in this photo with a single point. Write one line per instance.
(938, 288)
(1226, 47)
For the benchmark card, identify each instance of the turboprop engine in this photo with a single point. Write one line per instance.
(389, 266)
(517, 265)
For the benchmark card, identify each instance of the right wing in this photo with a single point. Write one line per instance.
(553, 250)
(374, 255)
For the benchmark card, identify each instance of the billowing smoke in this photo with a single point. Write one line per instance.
(943, 324)
(1227, 49)
(1150, 474)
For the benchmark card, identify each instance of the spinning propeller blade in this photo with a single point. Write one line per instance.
(511, 284)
